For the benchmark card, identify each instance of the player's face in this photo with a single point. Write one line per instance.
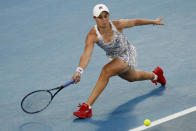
(103, 19)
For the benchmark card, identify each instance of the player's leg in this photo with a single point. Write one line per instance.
(109, 70)
(136, 75)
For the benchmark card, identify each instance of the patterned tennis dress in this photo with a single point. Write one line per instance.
(119, 47)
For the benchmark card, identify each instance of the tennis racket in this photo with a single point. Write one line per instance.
(39, 100)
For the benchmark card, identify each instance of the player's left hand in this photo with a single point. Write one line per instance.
(158, 21)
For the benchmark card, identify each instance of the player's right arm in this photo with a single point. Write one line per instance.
(91, 39)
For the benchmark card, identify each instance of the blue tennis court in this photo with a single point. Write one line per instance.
(40, 45)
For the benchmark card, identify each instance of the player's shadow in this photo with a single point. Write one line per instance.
(121, 118)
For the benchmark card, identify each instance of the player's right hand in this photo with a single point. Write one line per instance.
(76, 77)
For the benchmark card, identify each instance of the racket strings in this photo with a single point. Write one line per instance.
(37, 101)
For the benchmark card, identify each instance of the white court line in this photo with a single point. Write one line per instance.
(157, 122)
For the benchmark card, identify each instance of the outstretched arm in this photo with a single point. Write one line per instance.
(126, 23)
(85, 57)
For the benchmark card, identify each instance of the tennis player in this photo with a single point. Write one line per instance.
(109, 36)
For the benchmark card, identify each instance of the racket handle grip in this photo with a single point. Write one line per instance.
(68, 83)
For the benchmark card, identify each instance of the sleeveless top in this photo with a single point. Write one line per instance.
(119, 47)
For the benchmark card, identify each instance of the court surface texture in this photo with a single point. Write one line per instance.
(40, 46)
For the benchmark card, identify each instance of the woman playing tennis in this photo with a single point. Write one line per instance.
(109, 36)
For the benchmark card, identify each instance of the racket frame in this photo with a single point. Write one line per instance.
(52, 96)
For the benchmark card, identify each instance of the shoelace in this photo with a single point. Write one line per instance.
(82, 107)
(155, 82)
(79, 105)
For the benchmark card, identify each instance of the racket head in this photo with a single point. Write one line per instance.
(36, 101)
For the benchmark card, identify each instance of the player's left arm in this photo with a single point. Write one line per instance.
(127, 23)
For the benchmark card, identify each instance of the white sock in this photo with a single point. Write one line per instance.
(90, 107)
(155, 77)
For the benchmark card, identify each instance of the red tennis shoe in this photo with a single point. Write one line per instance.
(161, 79)
(83, 112)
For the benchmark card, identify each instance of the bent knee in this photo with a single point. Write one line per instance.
(106, 71)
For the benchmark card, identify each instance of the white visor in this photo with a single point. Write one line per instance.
(99, 8)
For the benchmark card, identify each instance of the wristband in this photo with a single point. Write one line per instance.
(79, 69)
